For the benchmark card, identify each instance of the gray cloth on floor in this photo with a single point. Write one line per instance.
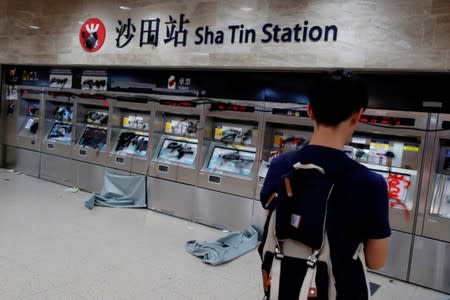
(120, 191)
(224, 249)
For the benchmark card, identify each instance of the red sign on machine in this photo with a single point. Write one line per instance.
(397, 189)
(92, 35)
(398, 186)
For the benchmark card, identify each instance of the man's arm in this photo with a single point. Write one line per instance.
(376, 251)
(378, 229)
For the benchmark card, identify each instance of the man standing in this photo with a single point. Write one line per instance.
(358, 206)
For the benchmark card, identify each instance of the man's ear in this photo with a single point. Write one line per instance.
(356, 116)
(309, 111)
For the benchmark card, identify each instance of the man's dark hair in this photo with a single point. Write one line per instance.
(334, 96)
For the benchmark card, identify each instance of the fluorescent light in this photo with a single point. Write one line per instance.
(245, 8)
(124, 7)
(34, 27)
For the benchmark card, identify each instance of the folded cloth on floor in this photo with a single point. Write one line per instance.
(224, 249)
(120, 191)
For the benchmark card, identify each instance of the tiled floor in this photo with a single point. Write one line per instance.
(52, 247)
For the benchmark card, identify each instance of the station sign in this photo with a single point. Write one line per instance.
(175, 31)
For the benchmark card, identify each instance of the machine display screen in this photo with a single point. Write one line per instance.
(93, 137)
(182, 127)
(31, 127)
(441, 196)
(63, 114)
(60, 132)
(232, 160)
(135, 122)
(132, 143)
(180, 151)
(33, 110)
(97, 117)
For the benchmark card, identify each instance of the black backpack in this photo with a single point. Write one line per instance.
(295, 252)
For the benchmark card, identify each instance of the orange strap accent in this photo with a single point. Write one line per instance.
(266, 280)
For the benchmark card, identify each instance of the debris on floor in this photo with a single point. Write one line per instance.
(72, 190)
(226, 248)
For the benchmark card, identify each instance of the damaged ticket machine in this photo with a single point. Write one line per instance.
(23, 130)
(287, 127)
(175, 159)
(91, 135)
(227, 179)
(57, 139)
(391, 143)
(130, 128)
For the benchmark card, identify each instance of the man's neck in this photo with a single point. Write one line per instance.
(328, 137)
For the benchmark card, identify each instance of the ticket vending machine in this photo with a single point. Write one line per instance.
(23, 131)
(175, 156)
(58, 124)
(90, 148)
(431, 251)
(391, 143)
(227, 179)
(129, 139)
(10, 115)
(287, 127)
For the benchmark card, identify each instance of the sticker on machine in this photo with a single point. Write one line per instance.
(60, 78)
(94, 80)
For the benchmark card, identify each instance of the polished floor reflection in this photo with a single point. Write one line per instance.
(52, 247)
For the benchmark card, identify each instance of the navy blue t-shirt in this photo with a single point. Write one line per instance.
(357, 210)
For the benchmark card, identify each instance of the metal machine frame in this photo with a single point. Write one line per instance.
(24, 140)
(89, 164)
(402, 226)
(126, 161)
(52, 146)
(22, 151)
(289, 118)
(171, 184)
(225, 200)
(56, 155)
(432, 241)
(10, 119)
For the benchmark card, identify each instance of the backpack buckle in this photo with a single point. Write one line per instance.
(278, 254)
(312, 259)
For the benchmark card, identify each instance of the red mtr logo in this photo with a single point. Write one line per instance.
(92, 35)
